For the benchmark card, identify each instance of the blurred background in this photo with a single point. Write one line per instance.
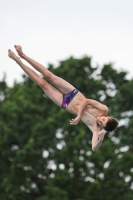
(89, 44)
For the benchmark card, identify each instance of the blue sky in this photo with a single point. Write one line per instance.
(50, 31)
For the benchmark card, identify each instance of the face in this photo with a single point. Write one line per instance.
(102, 120)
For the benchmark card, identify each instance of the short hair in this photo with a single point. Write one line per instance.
(111, 124)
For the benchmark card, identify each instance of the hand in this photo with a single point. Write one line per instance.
(75, 121)
(101, 135)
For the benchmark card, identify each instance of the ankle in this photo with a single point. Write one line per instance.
(18, 61)
(23, 55)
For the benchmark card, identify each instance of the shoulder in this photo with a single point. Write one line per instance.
(106, 110)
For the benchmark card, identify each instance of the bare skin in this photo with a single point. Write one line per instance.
(91, 112)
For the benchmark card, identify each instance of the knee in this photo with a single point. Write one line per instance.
(49, 76)
(42, 83)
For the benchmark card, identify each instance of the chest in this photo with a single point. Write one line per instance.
(91, 122)
(93, 111)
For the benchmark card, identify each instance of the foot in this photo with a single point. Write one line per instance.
(19, 50)
(13, 56)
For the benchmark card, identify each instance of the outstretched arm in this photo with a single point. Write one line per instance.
(84, 104)
(97, 140)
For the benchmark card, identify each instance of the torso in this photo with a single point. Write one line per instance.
(90, 114)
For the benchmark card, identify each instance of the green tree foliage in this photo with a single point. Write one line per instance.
(44, 158)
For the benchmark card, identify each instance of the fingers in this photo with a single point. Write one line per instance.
(73, 122)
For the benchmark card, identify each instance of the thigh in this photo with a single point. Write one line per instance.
(62, 85)
(55, 95)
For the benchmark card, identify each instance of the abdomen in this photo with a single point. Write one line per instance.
(74, 105)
